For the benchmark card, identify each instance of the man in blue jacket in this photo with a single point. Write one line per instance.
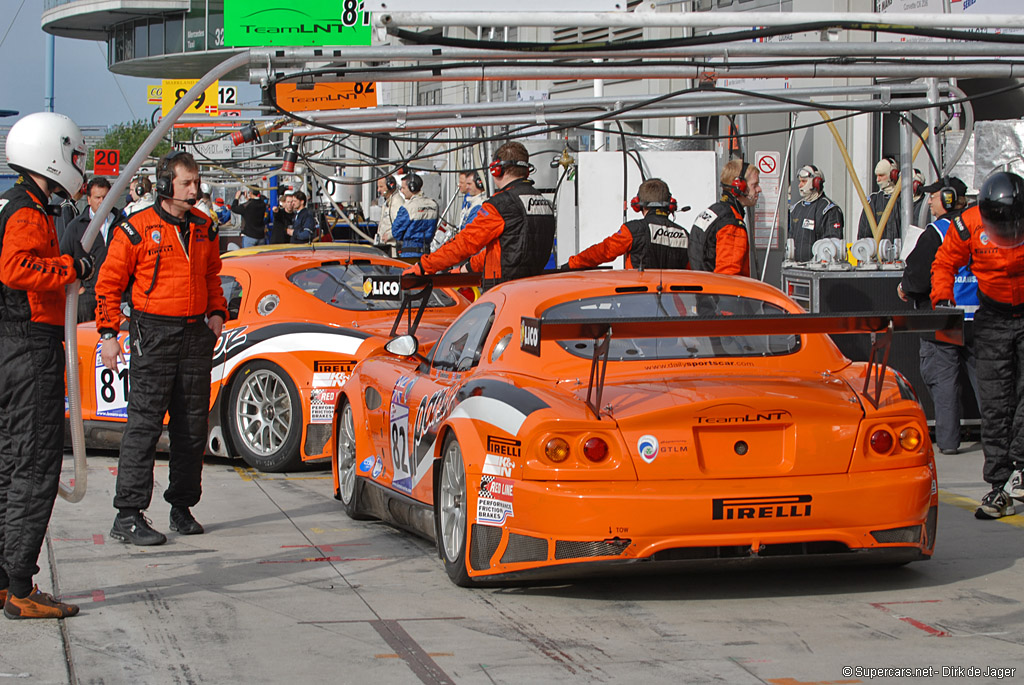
(304, 228)
(416, 222)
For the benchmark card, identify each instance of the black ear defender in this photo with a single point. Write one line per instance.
(165, 174)
(140, 190)
(414, 182)
(390, 183)
(478, 182)
(948, 196)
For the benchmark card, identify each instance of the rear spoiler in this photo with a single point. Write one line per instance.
(947, 323)
(389, 287)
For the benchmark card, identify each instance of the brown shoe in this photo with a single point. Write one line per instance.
(3, 597)
(37, 605)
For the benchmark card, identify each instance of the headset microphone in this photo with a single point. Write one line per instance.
(685, 209)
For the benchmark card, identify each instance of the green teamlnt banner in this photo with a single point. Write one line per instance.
(258, 23)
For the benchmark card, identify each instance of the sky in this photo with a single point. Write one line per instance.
(83, 87)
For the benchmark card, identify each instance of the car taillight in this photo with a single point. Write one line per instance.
(557, 450)
(910, 439)
(882, 441)
(595, 449)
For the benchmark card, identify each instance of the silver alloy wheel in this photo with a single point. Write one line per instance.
(263, 411)
(453, 502)
(346, 453)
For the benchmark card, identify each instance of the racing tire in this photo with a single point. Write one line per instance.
(349, 487)
(265, 417)
(451, 512)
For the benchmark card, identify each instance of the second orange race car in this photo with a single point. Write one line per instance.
(584, 422)
(297, 324)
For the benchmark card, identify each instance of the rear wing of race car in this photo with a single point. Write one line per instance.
(391, 287)
(946, 323)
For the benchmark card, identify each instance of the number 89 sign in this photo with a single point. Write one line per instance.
(112, 386)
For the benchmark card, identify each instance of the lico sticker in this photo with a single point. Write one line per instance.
(112, 387)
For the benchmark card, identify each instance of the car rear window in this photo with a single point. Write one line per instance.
(643, 305)
(341, 285)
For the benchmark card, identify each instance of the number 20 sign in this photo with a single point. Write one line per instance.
(107, 163)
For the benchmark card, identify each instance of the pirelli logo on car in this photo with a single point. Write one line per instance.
(382, 287)
(506, 447)
(529, 335)
(774, 507)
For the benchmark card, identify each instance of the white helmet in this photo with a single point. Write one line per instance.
(50, 145)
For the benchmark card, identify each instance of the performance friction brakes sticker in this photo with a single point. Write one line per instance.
(494, 501)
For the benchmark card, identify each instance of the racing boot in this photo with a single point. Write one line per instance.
(1017, 484)
(996, 504)
(134, 528)
(37, 605)
(183, 522)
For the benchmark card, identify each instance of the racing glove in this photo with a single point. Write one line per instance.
(414, 270)
(84, 267)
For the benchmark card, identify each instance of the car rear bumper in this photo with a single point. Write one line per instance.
(878, 517)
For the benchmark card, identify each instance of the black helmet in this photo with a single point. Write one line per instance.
(1001, 202)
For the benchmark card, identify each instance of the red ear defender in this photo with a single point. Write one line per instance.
(496, 168)
(894, 172)
(739, 184)
(672, 204)
(635, 205)
(817, 184)
(917, 186)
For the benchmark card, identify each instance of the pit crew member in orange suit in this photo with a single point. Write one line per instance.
(48, 150)
(169, 253)
(990, 237)
(653, 242)
(718, 239)
(512, 234)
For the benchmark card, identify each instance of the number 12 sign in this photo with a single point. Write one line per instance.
(107, 163)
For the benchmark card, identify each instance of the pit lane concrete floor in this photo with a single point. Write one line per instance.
(283, 588)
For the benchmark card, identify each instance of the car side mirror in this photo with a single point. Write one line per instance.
(403, 346)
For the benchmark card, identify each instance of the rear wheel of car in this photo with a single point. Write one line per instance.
(345, 451)
(265, 417)
(451, 512)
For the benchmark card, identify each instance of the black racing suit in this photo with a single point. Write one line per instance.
(893, 227)
(810, 221)
(33, 275)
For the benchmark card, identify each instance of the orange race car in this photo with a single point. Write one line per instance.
(584, 421)
(297, 323)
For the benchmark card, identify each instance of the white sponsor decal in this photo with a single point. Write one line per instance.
(291, 343)
(494, 501)
(498, 466)
(489, 410)
(329, 380)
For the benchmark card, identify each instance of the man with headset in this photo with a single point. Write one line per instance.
(472, 188)
(887, 175)
(718, 239)
(653, 242)
(391, 202)
(814, 216)
(169, 254)
(512, 234)
(990, 237)
(416, 221)
(48, 151)
(941, 362)
(71, 242)
(141, 193)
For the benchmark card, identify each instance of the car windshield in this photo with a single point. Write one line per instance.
(674, 304)
(341, 285)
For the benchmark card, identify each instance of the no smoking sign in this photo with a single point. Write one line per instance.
(767, 163)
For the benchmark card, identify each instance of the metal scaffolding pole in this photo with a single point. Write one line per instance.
(896, 20)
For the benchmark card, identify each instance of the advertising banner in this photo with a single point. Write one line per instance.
(263, 23)
(291, 98)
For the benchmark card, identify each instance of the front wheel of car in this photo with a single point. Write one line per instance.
(345, 451)
(265, 417)
(451, 511)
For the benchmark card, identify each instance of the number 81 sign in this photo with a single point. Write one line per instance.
(112, 386)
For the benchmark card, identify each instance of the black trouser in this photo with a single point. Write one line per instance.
(31, 441)
(170, 374)
(999, 345)
(940, 368)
